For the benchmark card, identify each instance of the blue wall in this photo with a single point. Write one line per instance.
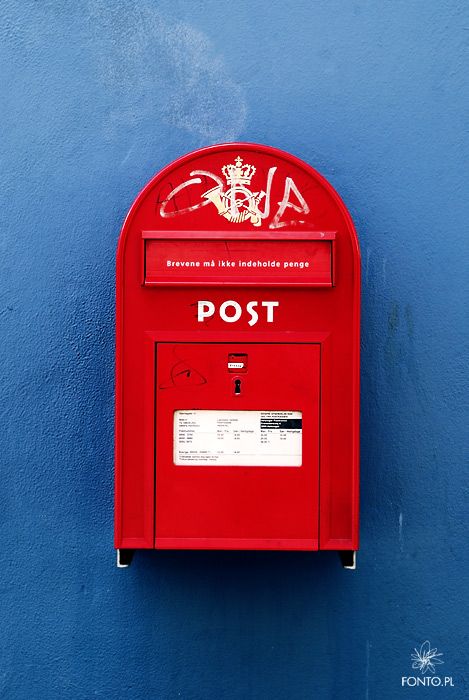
(97, 96)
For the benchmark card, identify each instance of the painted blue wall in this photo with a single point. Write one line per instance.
(97, 96)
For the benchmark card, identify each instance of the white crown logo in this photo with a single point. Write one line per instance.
(238, 174)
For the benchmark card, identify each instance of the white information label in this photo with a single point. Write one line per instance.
(238, 438)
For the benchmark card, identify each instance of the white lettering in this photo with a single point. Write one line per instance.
(250, 306)
(427, 681)
(286, 204)
(270, 177)
(205, 309)
(270, 305)
(182, 186)
(237, 314)
(231, 311)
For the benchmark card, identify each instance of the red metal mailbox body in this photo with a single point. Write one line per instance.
(237, 358)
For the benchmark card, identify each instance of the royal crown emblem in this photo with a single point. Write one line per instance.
(237, 203)
(238, 174)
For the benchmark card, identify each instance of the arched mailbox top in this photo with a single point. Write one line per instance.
(238, 191)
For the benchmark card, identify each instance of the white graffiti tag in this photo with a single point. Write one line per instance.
(238, 203)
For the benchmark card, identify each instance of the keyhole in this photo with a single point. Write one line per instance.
(237, 386)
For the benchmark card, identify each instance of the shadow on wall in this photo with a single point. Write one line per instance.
(250, 571)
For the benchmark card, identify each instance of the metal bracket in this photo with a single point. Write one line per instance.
(124, 558)
(348, 559)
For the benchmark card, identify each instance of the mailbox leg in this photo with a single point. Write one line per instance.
(124, 558)
(348, 559)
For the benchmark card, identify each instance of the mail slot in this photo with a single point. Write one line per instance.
(237, 359)
(223, 258)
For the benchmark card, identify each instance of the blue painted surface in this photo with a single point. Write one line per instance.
(96, 97)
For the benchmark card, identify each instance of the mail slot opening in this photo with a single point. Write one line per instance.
(304, 259)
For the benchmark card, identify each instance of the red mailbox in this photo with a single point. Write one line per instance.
(237, 359)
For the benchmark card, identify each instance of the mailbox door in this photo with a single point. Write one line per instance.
(237, 445)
